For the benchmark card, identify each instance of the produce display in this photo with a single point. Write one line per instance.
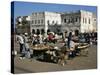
(41, 47)
(83, 45)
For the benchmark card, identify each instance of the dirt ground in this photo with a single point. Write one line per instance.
(34, 66)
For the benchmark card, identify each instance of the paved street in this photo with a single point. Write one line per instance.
(34, 66)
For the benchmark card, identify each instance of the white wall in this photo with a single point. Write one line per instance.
(86, 27)
(37, 16)
(52, 16)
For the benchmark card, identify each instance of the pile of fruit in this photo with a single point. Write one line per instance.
(83, 45)
(41, 47)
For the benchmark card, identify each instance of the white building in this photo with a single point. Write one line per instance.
(86, 21)
(79, 20)
(42, 20)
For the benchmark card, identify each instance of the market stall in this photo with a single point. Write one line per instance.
(83, 47)
(40, 49)
(54, 54)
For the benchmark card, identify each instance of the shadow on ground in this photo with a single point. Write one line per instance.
(24, 70)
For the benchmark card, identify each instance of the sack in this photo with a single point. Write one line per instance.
(28, 55)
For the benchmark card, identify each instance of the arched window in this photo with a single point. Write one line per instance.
(33, 31)
(48, 31)
(42, 31)
(76, 32)
(42, 21)
(65, 20)
(83, 19)
(89, 21)
(38, 32)
(76, 19)
(53, 22)
(38, 21)
(32, 21)
(48, 22)
(35, 21)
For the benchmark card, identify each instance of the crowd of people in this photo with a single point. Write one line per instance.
(75, 39)
(71, 41)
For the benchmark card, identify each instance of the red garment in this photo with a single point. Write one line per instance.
(50, 37)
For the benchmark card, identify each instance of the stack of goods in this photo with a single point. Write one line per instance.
(83, 45)
(41, 47)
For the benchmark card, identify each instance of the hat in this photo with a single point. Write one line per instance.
(35, 35)
(26, 33)
(56, 48)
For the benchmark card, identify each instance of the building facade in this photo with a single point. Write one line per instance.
(81, 20)
(44, 21)
(71, 21)
(86, 21)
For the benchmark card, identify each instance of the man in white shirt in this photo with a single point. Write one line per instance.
(20, 41)
(25, 37)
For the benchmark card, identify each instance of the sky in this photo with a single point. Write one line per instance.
(26, 8)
